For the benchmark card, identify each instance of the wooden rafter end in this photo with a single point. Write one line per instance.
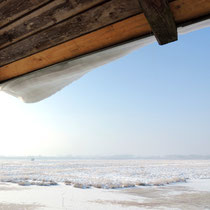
(161, 20)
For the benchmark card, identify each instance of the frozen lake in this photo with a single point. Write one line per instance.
(104, 184)
(103, 173)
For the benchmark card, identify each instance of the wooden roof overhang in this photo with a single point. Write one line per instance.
(38, 33)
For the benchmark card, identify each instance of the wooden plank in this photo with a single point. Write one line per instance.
(95, 18)
(108, 36)
(185, 10)
(137, 26)
(42, 18)
(13, 9)
(161, 20)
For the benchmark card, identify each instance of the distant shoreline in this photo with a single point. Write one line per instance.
(109, 157)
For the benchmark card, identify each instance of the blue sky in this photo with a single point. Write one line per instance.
(155, 101)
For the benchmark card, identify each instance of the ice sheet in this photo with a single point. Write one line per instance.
(192, 195)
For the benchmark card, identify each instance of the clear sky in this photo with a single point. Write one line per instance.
(155, 101)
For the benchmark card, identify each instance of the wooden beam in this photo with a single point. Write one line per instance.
(161, 20)
(10, 10)
(93, 19)
(186, 10)
(137, 26)
(105, 37)
(42, 18)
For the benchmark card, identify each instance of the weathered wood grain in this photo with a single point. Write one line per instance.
(116, 33)
(161, 20)
(42, 18)
(93, 19)
(185, 10)
(13, 9)
(136, 26)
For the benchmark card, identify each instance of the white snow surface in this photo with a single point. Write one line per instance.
(106, 174)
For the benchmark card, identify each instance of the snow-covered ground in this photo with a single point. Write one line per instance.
(104, 184)
(107, 174)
